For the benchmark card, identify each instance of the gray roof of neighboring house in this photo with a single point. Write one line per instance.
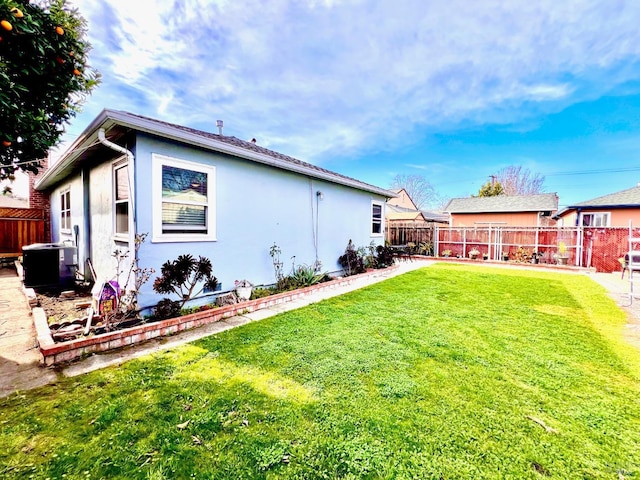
(541, 202)
(428, 216)
(629, 198)
(116, 123)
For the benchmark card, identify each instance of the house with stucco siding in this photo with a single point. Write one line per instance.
(201, 193)
(503, 210)
(611, 210)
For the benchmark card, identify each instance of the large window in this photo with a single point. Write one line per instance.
(600, 219)
(65, 210)
(121, 199)
(183, 200)
(376, 218)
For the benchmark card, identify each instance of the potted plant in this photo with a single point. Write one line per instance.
(473, 253)
(243, 289)
(485, 256)
(505, 255)
(446, 253)
(536, 256)
(561, 257)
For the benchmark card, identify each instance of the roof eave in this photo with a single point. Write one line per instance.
(167, 131)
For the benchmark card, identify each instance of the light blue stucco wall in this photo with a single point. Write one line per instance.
(256, 205)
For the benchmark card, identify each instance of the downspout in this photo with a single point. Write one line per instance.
(132, 202)
(86, 222)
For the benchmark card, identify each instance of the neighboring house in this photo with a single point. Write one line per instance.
(613, 210)
(406, 223)
(402, 211)
(503, 210)
(203, 194)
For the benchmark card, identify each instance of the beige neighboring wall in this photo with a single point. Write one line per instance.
(402, 200)
(619, 217)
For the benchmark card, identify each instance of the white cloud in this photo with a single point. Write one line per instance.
(347, 76)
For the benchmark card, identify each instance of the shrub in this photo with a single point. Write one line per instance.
(166, 308)
(183, 275)
(352, 262)
(384, 256)
(305, 275)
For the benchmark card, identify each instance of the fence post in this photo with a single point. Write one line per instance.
(489, 244)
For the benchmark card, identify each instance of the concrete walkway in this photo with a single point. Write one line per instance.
(20, 359)
(19, 354)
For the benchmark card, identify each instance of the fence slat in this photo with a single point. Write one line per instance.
(20, 227)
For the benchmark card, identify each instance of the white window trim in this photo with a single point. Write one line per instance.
(121, 237)
(157, 161)
(608, 214)
(381, 234)
(68, 209)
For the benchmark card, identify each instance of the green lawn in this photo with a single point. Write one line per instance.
(449, 372)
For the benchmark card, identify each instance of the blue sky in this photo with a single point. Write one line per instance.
(453, 90)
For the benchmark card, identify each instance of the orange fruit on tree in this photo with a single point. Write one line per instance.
(17, 12)
(76, 72)
(6, 143)
(6, 25)
(60, 30)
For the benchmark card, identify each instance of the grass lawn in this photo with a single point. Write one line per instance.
(449, 372)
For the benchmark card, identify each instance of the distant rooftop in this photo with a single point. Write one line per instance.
(542, 202)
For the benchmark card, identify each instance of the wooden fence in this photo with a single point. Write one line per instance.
(20, 227)
(402, 234)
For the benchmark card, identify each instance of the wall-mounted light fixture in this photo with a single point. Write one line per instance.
(320, 195)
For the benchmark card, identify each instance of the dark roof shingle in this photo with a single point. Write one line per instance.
(541, 202)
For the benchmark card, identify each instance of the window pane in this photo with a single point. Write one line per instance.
(192, 217)
(122, 217)
(184, 185)
(376, 218)
(122, 184)
(377, 211)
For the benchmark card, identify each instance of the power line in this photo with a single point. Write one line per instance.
(591, 172)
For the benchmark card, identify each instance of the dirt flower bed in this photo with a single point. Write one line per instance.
(61, 309)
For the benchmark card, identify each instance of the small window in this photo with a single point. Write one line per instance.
(121, 196)
(601, 219)
(376, 218)
(183, 203)
(65, 210)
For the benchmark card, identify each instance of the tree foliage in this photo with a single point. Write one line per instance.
(44, 78)
(491, 189)
(419, 189)
(516, 180)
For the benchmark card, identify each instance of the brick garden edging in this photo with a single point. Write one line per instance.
(55, 353)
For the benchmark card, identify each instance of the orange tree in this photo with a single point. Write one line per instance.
(44, 78)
